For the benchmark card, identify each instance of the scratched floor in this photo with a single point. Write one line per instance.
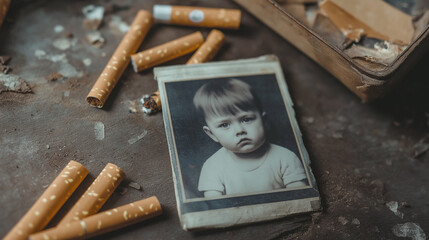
(362, 154)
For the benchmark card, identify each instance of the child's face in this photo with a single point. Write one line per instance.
(240, 133)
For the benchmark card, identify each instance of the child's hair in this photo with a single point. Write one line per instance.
(219, 97)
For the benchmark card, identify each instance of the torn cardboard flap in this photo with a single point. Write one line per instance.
(376, 18)
(383, 53)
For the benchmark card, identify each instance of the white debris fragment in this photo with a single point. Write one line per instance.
(39, 53)
(420, 147)
(13, 83)
(116, 23)
(409, 230)
(67, 93)
(93, 16)
(393, 206)
(136, 138)
(87, 62)
(65, 68)
(95, 39)
(355, 221)
(58, 28)
(99, 130)
(308, 120)
(64, 43)
(134, 185)
(93, 12)
(343, 220)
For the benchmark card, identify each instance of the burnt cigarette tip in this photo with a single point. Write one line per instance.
(134, 64)
(95, 102)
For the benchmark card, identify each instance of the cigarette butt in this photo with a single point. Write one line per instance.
(166, 52)
(209, 49)
(198, 16)
(152, 103)
(120, 59)
(96, 195)
(44, 209)
(4, 6)
(104, 222)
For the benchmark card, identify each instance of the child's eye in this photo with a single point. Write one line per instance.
(246, 119)
(223, 125)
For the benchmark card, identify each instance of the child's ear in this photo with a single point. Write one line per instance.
(210, 134)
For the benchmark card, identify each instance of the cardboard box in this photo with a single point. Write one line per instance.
(365, 81)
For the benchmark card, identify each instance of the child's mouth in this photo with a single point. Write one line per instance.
(244, 141)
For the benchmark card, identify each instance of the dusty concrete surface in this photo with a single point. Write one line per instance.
(363, 155)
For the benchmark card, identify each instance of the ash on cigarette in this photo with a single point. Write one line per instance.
(13, 83)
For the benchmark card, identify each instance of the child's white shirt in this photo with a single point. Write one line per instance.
(279, 167)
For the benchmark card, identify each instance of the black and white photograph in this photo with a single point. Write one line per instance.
(234, 141)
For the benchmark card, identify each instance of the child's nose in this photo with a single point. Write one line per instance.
(240, 130)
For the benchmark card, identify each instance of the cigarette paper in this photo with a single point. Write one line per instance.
(209, 49)
(4, 5)
(166, 52)
(198, 16)
(97, 194)
(44, 209)
(120, 59)
(103, 222)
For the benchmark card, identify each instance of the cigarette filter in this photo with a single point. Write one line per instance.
(209, 49)
(120, 59)
(198, 16)
(44, 209)
(166, 52)
(4, 5)
(103, 222)
(97, 194)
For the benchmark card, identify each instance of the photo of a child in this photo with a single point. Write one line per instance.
(246, 162)
(236, 149)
